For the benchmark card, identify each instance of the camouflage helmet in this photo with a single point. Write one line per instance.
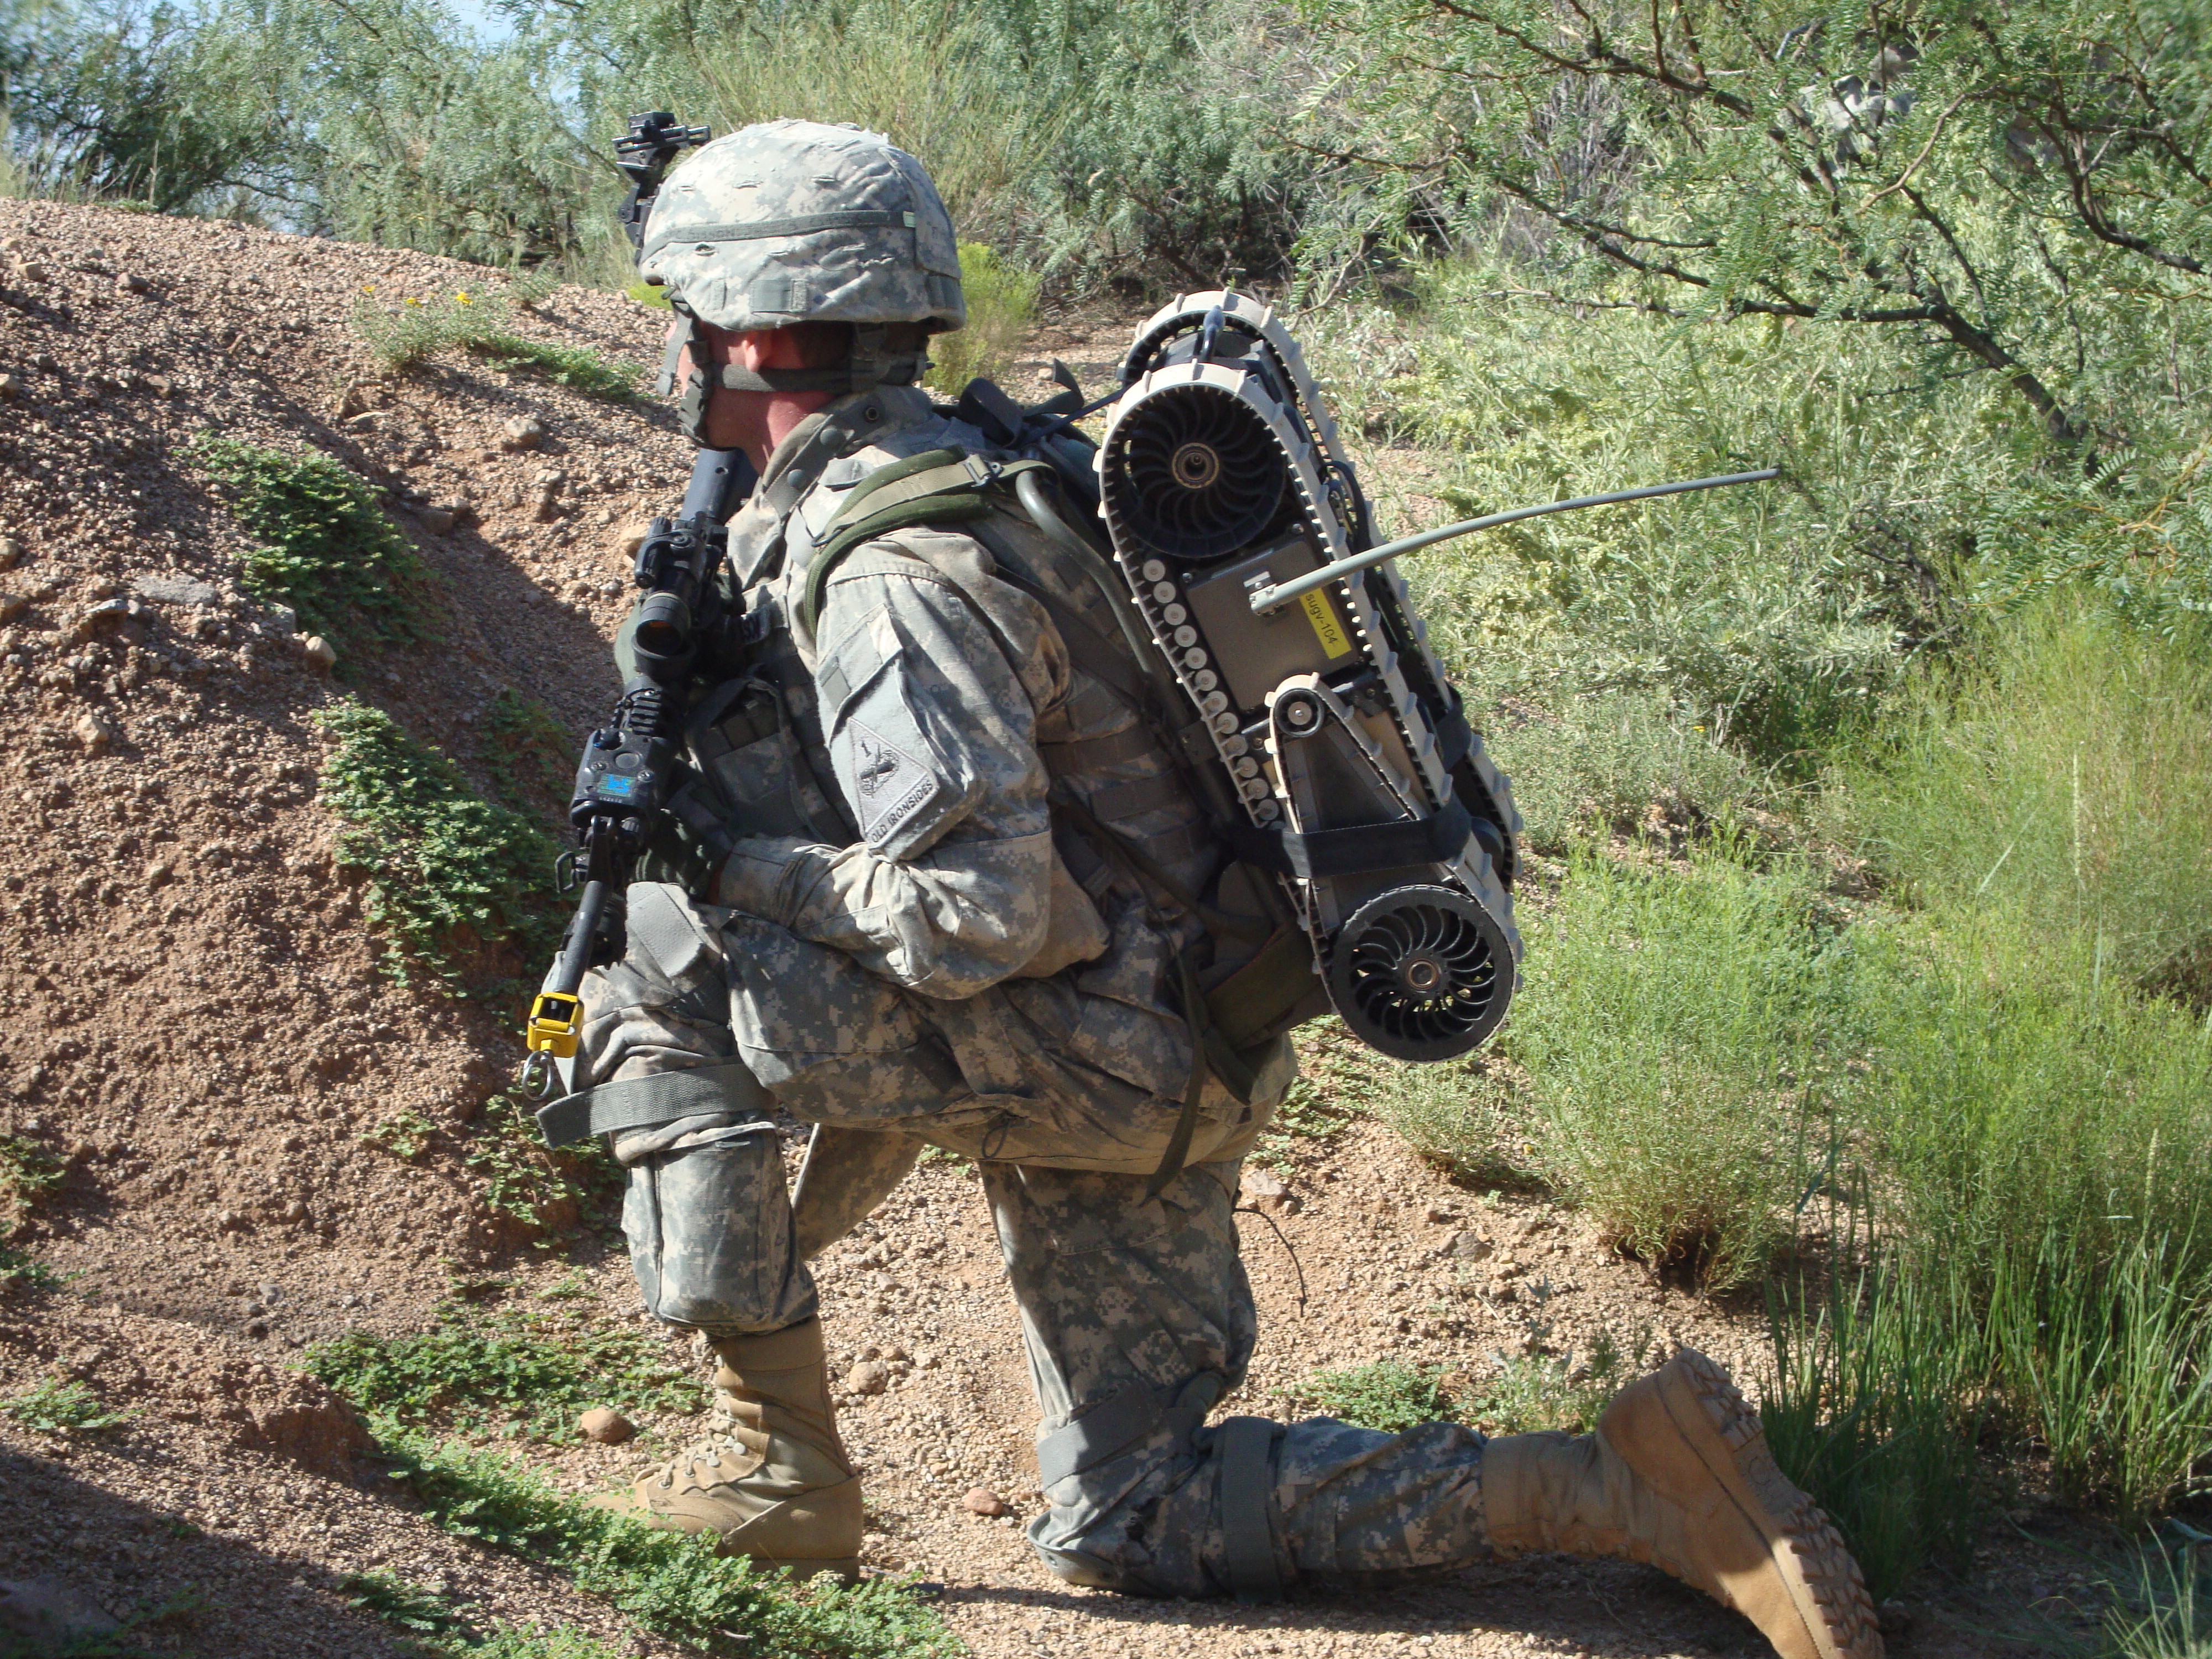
(793, 221)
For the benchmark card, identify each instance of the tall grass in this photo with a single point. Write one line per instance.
(2061, 781)
(1873, 1405)
(2005, 1097)
(2032, 1117)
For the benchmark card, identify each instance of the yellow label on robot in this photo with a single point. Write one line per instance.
(1325, 624)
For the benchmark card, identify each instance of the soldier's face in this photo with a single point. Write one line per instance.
(754, 421)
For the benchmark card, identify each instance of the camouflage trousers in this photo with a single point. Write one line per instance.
(1136, 1315)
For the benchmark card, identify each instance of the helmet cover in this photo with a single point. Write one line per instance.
(792, 221)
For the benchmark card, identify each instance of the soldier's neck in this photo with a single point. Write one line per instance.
(756, 422)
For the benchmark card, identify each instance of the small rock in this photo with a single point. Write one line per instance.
(12, 606)
(30, 270)
(296, 1211)
(869, 1377)
(257, 1327)
(1441, 1212)
(50, 1614)
(1468, 1246)
(438, 519)
(1264, 1190)
(11, 552)
(284, 619)
(366, 421)
(131, 282)
(94, 734)
(9, 385)
(631, 536)
(230, 1221)
(607, 1426)
(318, 654)
(982, 1500)
(160, 873)
(522, 432)
(177, 590)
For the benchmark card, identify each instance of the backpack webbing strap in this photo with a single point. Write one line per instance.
(1245, 1492)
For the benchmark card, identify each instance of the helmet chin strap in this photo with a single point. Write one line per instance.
(870, 365)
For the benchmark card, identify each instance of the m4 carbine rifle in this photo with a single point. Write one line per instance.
(633, 765)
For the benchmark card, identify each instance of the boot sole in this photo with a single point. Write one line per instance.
(1807, 1550)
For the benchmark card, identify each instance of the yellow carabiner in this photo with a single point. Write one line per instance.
(554, 1019)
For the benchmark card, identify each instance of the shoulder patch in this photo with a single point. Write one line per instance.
(889, 786)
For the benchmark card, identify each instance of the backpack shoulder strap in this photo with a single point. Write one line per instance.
(938, 486)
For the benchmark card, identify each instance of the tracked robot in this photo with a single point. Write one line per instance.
(1238, 523)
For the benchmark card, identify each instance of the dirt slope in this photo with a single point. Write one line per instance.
(199, 1030)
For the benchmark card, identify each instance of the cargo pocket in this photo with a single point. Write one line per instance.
(830, 1040)
(708, 1226)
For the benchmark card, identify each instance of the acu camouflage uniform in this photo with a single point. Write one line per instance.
(907, 937)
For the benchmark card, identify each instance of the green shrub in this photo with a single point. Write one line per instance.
(1460, 1115)
(531, 761)
(1307, 1114)
(670, 1582)
(512, 1371)
(414, 330)
(449, 873)
(542, 1190)
(1001, 305)
(1668, 1026)
(1388, 1396)
(327, 550)
(58, 1407)
(27, 1171)
(438, 1628)
(18, 1269)
(1532, 1393)
(421, 1612)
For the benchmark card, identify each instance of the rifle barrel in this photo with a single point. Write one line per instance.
(1266, 599)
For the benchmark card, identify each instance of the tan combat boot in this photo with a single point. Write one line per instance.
(1678, 1474)
(773, 1483)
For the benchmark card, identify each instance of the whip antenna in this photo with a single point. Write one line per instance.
(1266, 599)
